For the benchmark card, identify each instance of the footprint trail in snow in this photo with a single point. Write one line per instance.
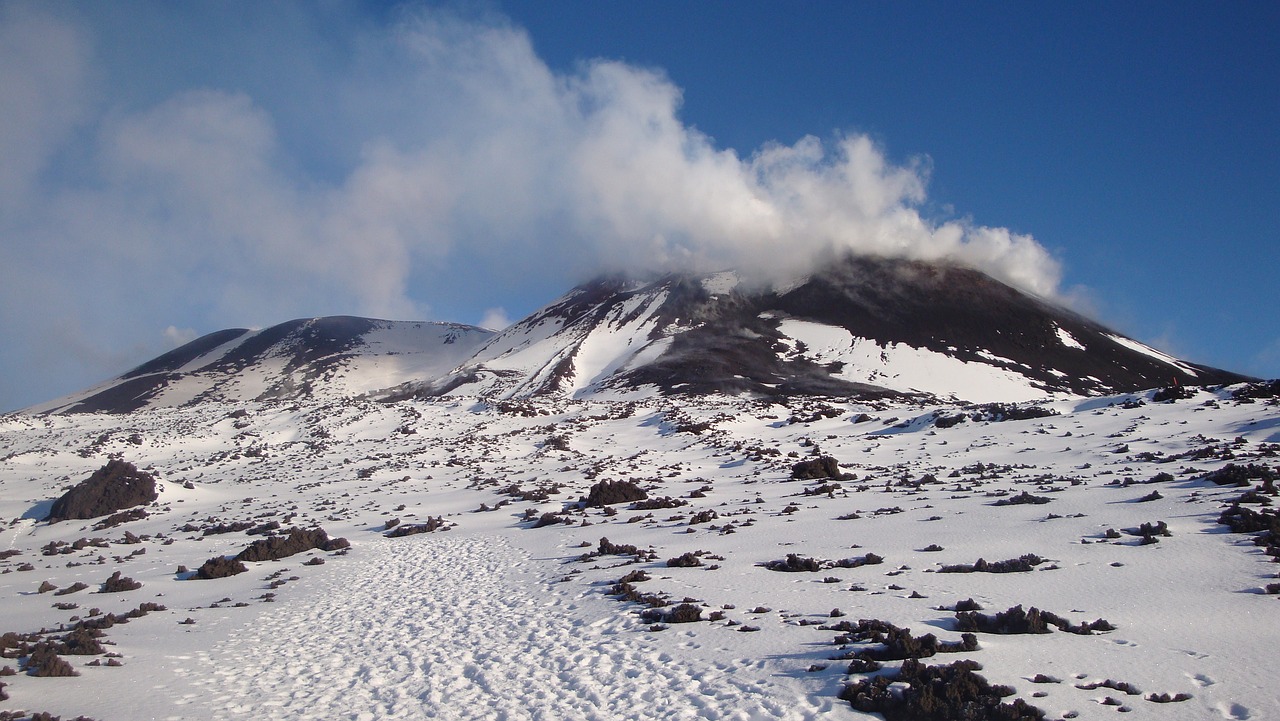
(463, 627)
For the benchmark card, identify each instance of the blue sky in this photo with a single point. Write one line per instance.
(171, 169)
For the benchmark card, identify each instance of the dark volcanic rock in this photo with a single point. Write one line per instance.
(824, 467)
(412, 529)
(938, 693)
(119, 583)
(113, 487)
(220, 567)
(607, 493)
(298, 540)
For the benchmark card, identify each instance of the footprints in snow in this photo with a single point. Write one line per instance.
(1233, 711)
(1201, 680)
(460, 629)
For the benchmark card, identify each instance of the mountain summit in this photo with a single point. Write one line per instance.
(860, 327)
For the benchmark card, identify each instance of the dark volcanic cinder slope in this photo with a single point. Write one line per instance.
(729, 344)
(860, 327)
(680, 333)
(968, 315)
(310, 348)
(175, 359)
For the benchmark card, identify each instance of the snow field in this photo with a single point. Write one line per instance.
(905, 368)
(494, 619)
(463, 627)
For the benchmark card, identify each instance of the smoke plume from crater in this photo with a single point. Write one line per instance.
(408, 156)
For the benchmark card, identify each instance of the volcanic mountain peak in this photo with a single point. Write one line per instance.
(860, 327)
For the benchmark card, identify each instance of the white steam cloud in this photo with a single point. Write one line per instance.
(422, 153)
(495, 319)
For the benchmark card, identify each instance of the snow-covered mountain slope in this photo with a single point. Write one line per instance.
(861, 327)
(732, 590)
(336, 357)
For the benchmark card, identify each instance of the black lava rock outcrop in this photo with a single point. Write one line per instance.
(607, 493)
(297, 541)
(115, 486)
(220, 567)
(938, 693)
(824, 467)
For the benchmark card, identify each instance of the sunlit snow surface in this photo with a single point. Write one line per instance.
(1147, 350)
(547, 353)
(1067, 339)
(494, 619)
(901, 367)
(389, 353)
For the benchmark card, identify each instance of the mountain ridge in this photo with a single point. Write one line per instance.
(859, 327)
(346, 355)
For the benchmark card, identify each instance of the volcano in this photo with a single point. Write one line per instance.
(861, 327)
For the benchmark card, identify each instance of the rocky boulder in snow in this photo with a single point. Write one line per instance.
(115, 486)
(824, 467)
(607, 493)
(296, 541)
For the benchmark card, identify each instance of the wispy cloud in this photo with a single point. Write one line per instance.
(495, 319)
(450, 150)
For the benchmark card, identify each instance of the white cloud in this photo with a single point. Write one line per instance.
(177, 337)
(43, 88)
(495, 319)
(451, 151)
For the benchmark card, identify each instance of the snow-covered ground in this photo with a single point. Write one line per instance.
(494, 618)
(384, 354)
(903, 368)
